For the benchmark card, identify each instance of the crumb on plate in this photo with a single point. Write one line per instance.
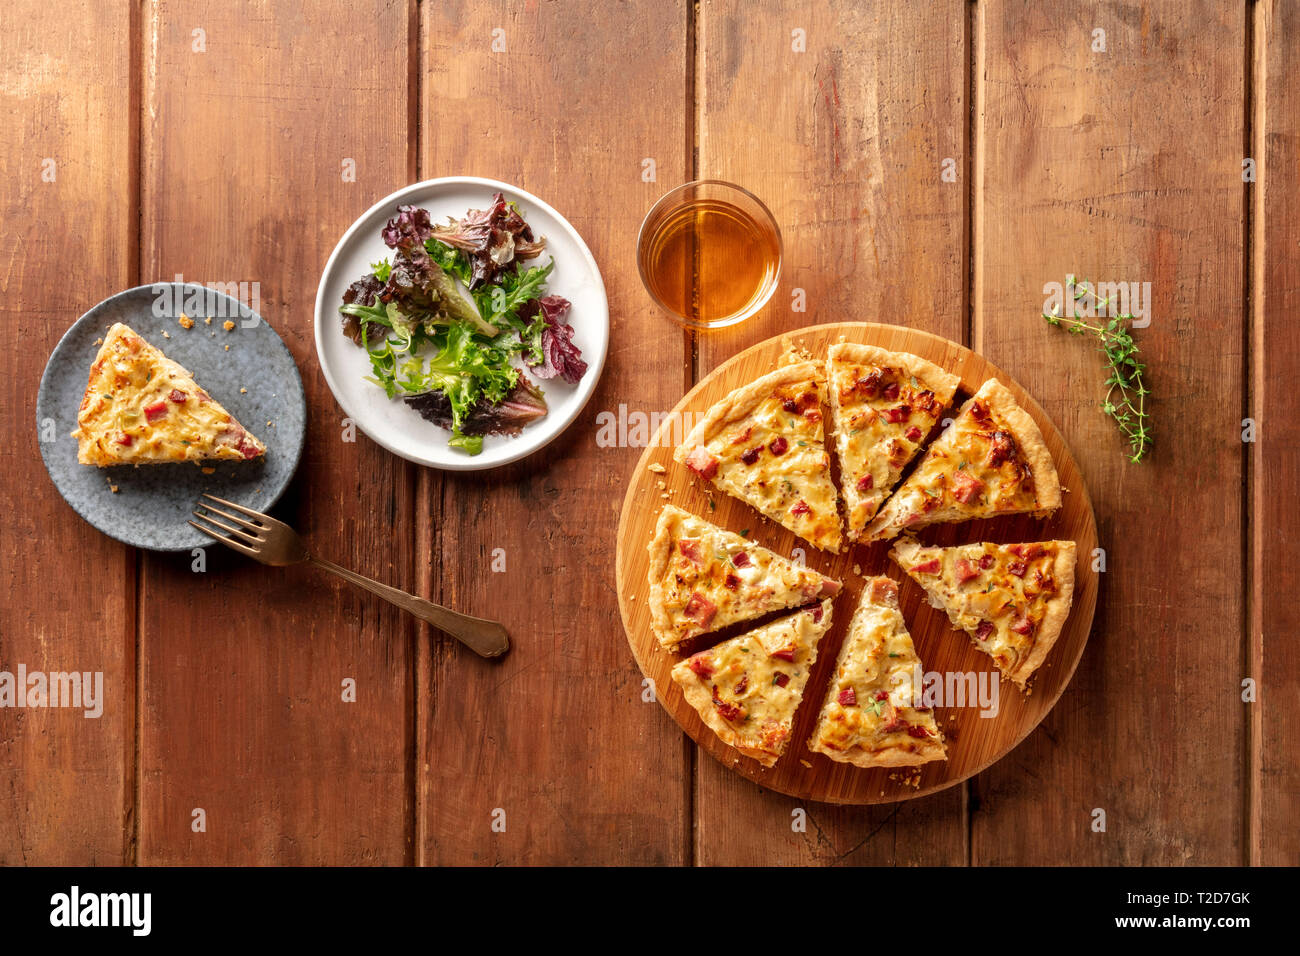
(185, 322)
(228, 325)
(209, 470)
(657, 468)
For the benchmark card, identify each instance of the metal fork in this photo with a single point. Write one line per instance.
(273, 542)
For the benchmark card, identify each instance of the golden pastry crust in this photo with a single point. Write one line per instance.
(764, 444)
(870, 717)
(990, 461)
(704, 578)
(883, 406)
(1011, 599)
(140, 407)
(747, 689)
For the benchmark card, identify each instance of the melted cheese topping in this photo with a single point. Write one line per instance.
(998, 594)
(882, 415)
(870, 704)
(748, 688)
(140, 407)
(715, 578)
(776, 460)
(975, 469)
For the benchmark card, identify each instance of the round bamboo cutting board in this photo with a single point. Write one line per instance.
(974, 741)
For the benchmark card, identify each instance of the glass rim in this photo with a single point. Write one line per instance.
(672, 195)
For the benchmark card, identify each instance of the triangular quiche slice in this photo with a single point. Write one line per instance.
(142, 408)
(990, 461)
(1012, 599)
(763, 444)
(747, 689)
(871, 717)
(703, 579)
(883, 405)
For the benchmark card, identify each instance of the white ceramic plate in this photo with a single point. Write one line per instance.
(391, 422)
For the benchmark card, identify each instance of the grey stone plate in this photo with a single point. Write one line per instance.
(153, 502)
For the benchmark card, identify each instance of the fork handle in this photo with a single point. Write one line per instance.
(487, 638)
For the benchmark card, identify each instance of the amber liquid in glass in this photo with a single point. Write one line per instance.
(710, 260)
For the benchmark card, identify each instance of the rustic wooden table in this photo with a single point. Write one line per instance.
(932, 165)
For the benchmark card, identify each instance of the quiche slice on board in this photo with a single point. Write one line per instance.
(870, 717)
(142, 408)
(703, 578)
(747, 689)
(883, 405)
(1012, 599)
(763, 444)
(990, 461)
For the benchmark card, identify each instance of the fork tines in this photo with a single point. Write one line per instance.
(250, 530)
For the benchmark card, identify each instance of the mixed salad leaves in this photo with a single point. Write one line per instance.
(461, 358)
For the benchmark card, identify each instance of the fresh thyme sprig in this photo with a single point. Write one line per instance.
(1128, 407)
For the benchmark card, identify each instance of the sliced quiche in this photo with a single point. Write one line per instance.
(870, 718)
(763, 444)
(1012, 599)
(747, 689)
(142, 408)
(883, 405)
(990, 461)
(703, 578)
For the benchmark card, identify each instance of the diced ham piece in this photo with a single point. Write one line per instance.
(984, 631)
(899, 413)
(801, 508)
(750, 455)
(741, 559)
(728, 711)
(779, 446)
(895, 724)
(155, 411)
(986, 562)
(690, 550)
(817, 614)
(913, 434)
(791, 406)
(700, 609)
(177, 396)
(813, 415)
(784, 654)
(927, 567)
(700, 665)
(702, 463)
(125, 440)
(828, 588)
(1001, 448)
(920, 733)
(965, 486)
(780, 679)
(742, 685)
(964, 570)
(1023, 626)
(1018, 568)
(882, 695)
(848, 697)
(890, 392)
(865, 483)
(731, 581)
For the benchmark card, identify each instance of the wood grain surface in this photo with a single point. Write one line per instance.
(216, 139)
(65, 780)
(1071, 181)
(242, 666)
(974, 741)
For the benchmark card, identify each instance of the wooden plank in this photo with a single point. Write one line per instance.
(1274, 467)
(65, 780)
(68, 169)
(245, 148)
(1085, 166)
(846, 142)
(556, 735)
